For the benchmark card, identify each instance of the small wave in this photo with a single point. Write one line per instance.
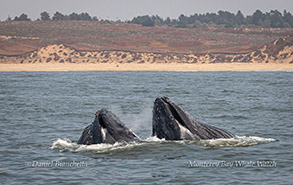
(239, 141)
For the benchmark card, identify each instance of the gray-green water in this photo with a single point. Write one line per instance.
(42, 115)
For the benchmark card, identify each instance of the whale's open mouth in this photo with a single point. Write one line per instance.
(103, 127)
(173, 111)
(101, 121)
(170, 122)
(185, 133)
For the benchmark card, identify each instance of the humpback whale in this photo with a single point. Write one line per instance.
(169, 122)
(173, 123)
(106, 128)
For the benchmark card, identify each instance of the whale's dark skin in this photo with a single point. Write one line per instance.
(106, 128)
(173, 123)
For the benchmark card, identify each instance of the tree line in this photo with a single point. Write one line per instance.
(272, 19)
(45, 16)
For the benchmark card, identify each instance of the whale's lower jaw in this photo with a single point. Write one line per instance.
(185, 134)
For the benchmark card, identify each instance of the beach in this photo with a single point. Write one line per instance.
(146, 67)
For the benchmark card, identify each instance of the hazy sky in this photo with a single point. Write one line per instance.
(127, 9)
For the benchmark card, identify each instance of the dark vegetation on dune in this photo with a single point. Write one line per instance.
(272, 19)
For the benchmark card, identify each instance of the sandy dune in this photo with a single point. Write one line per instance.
(276, 56)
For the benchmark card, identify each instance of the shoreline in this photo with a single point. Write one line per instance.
(146, 67)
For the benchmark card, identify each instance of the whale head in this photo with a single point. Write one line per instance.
(173, 123)
(106, 128)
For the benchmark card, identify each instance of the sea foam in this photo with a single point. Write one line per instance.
(239, 141)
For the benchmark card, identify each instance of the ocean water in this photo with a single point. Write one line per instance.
(42, 115)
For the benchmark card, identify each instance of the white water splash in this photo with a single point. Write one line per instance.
(239, 141)
(67, 145)
(154, 139)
